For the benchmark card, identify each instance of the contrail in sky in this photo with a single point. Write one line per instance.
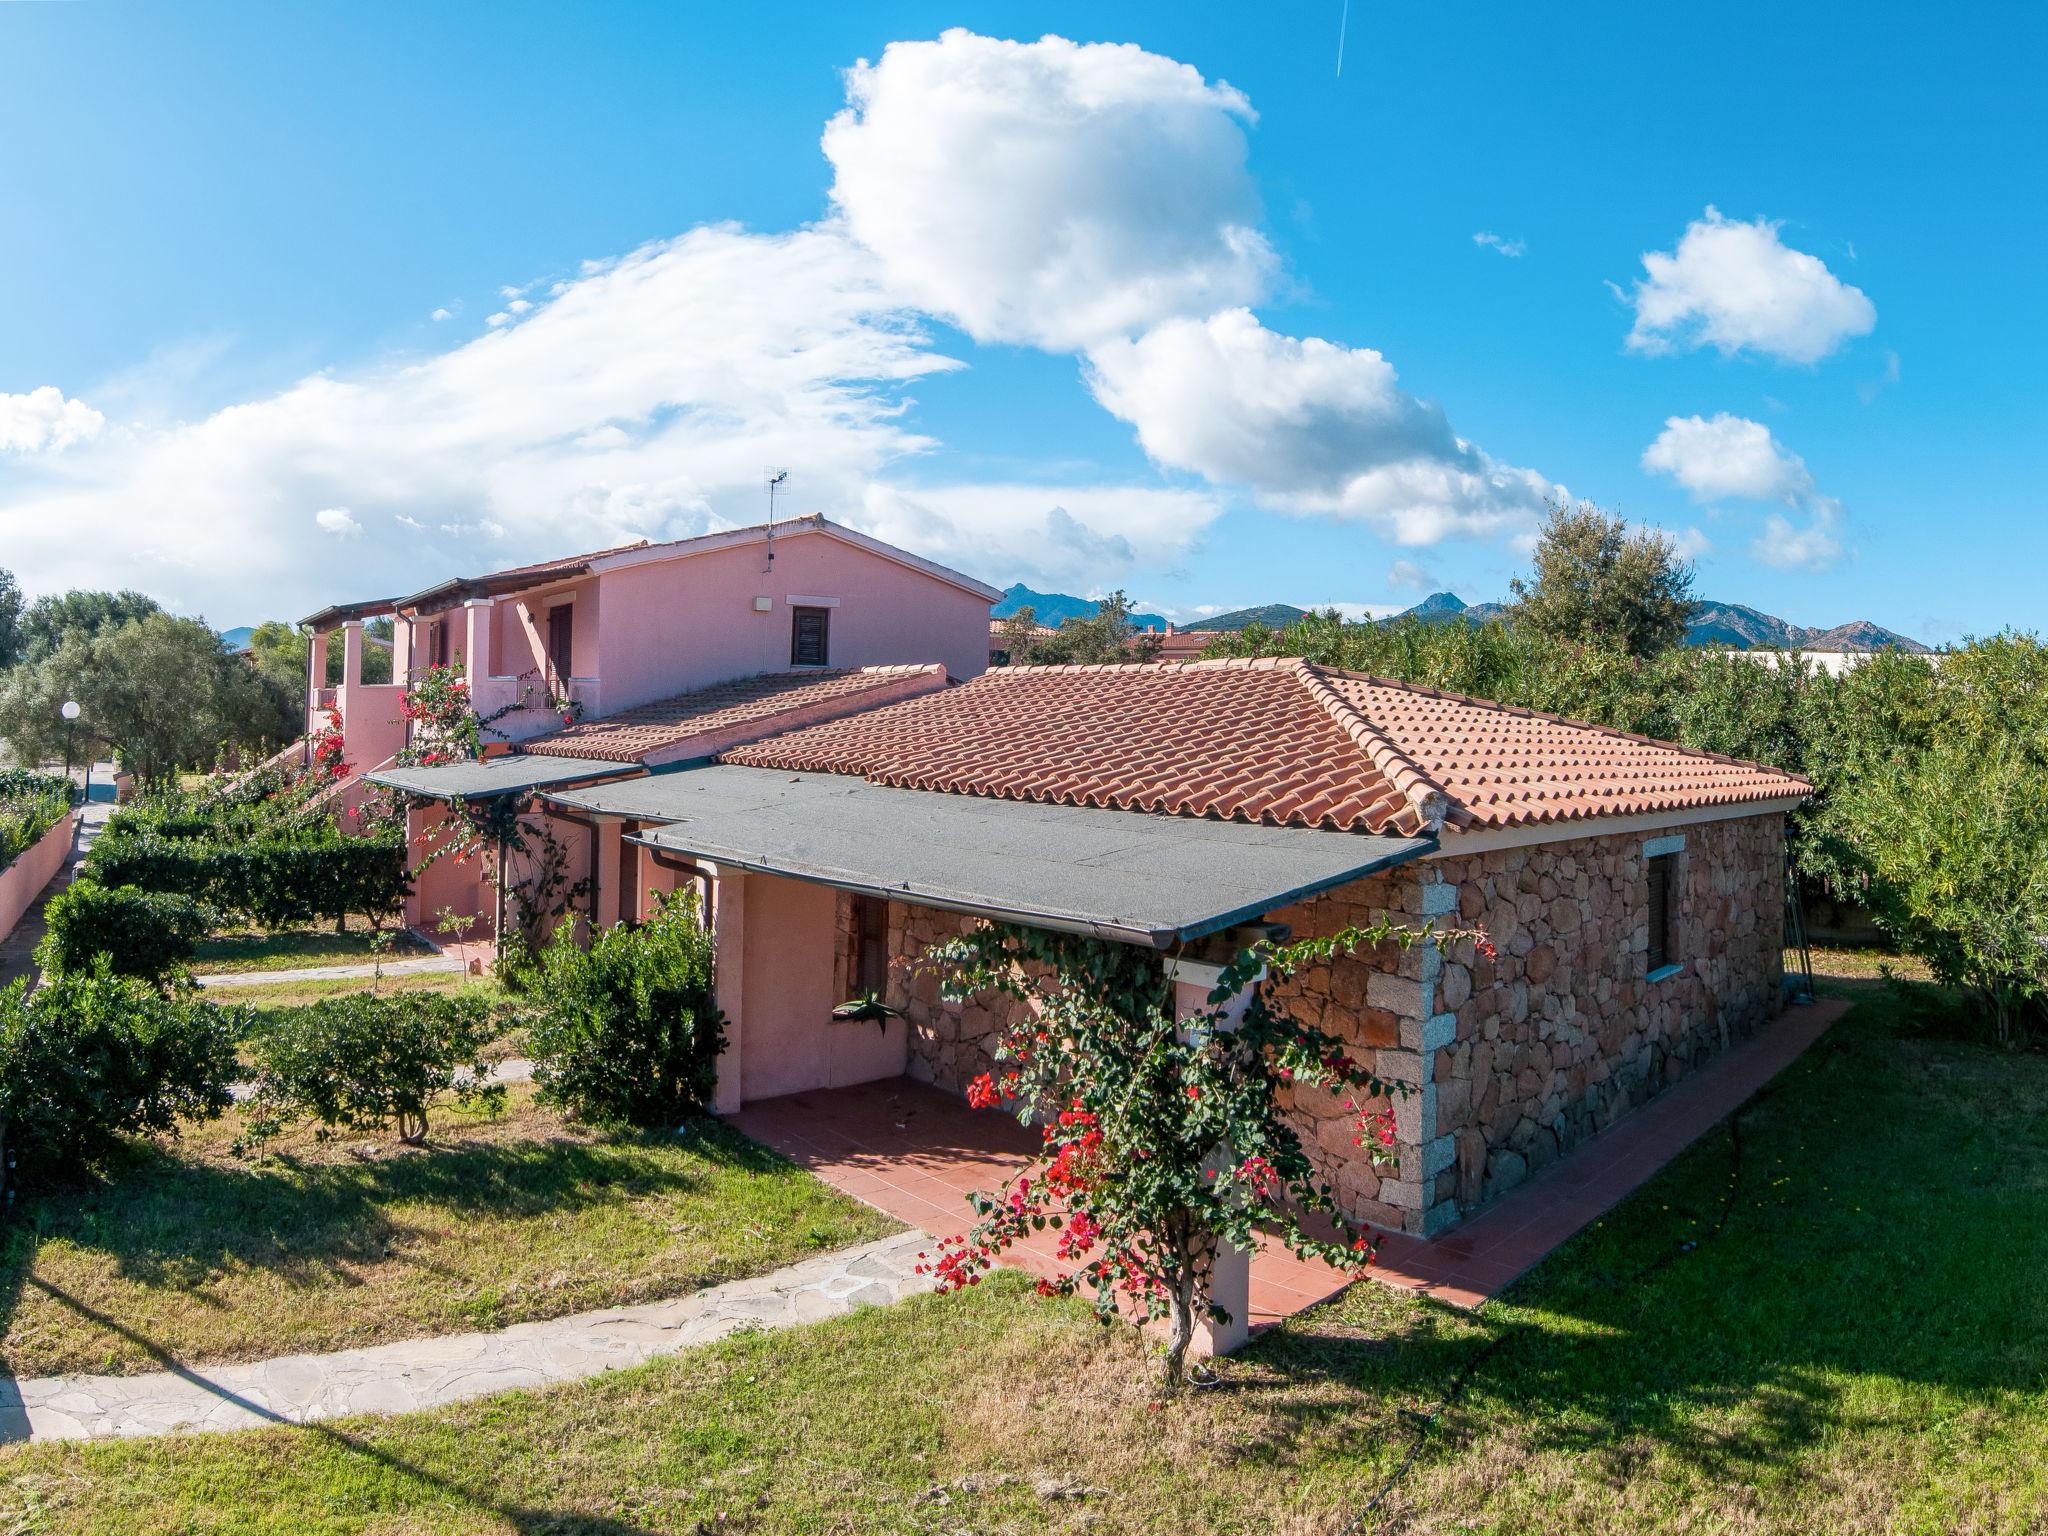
(1343, 18)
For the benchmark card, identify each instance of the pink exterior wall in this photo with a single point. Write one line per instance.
(783, 1033)
(23, 880)
(672, 625)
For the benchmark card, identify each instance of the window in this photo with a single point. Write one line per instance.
(1662, 870)
(869, 957)
(810, 637)
(562, 640)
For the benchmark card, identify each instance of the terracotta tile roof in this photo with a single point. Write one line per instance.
(760, 704)
(1274, 740)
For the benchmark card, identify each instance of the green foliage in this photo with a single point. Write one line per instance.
(1599, 582)
(628, 1031)
(30, 804)
(161, 692)
(1164, 1131)
(146, 934)
(10, 620)
(279, 878)
(90, 1057)
(1106, 636)
(51, 620)
(362, 1060)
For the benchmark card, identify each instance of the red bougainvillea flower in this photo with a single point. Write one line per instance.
(982, 1093)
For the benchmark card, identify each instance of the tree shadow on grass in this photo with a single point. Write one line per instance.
(523, 1519)
(1886, 1235)
(178, 1223)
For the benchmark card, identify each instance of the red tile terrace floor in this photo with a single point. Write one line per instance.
(916, 1152)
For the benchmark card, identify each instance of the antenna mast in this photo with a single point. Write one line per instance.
(775, 477)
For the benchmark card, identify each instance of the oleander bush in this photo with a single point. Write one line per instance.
(628, 1030)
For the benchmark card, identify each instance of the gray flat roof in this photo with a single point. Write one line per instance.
(1117, 874)
(513, 774)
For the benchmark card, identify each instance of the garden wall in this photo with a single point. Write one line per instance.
(23, 880)
(1511, 1060)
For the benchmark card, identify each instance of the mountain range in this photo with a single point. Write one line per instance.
(1053, 609)
(1723, 626)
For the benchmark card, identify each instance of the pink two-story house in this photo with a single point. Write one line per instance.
(743, 632)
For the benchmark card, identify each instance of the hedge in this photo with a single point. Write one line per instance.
(30, 804)
(274, 882)
(148, 934)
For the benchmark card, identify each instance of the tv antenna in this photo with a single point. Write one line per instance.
(776, 477)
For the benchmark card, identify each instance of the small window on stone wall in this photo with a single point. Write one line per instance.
(1662, 870)
(870, 957)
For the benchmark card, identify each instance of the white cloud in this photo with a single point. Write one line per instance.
(43, 421)
(1051, 193)
(1308, 426)
(502, 317)
(338, 521)
(444, 313)
(1728, 456)
(1085, 538)
(1734, 457)
(713, 353)
(1736, 286)
(1407, 574)
(1507, 247)
(1815, 545)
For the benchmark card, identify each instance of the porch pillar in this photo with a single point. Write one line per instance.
(352, 654)
(476, 654)
(1230, 1273)
(729, 942)
(612, 900)
(316, 678)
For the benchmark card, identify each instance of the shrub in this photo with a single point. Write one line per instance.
(90, 1057)
(363, 1060)
(30, 804)
(1958, 843)
(146, 934)
(628, 1031)
(276, 880)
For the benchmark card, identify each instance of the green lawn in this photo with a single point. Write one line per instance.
(291, 994)
(254, 950)
(327, 1245)
(1863, 1349)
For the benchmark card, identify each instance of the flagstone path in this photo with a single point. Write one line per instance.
(427, 1373)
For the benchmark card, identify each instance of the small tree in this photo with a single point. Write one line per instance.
(1163, 1136)
(364, 1060)
(1107, 635)
(1599, 582)
(1958, 843)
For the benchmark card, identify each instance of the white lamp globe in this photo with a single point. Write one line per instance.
(70, 710)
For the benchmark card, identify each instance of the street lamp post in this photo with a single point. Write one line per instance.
(70, 714)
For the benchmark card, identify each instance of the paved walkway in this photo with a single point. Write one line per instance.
(17, 950)
(917, 1153)
(427, 1373)
(419, 965)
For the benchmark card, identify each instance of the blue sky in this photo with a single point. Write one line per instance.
(228, 228)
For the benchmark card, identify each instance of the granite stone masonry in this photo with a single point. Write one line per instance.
(1506, 1062)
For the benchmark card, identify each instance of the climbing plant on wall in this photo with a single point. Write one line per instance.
(1163, 1136)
